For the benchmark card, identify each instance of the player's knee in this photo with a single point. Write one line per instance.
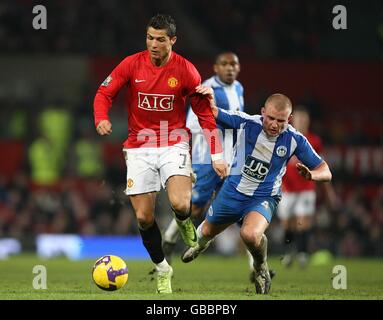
(303, 224)
(251, 236)
(144, 222)
(246, 235)
(181, 206)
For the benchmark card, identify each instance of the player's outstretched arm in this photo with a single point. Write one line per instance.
(209, 92)
(104, 128)
(230, 119)
(321, 173)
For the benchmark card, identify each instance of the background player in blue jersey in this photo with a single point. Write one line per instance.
(228, 94)
(252, 191)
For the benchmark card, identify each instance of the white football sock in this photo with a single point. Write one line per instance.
(172, 234)
(162, 266)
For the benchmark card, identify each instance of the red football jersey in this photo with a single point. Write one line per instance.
(155, 100)
(292, 180)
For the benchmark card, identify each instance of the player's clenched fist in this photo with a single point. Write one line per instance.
(221, 168)
(104, 128)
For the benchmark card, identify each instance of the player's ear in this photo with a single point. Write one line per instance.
(263, 111)
(173, 40)
(215, 68)
(290, 118)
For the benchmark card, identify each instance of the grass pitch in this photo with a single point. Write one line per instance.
(207, 278)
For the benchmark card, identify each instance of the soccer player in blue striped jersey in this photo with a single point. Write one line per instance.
(252, 193)
(228, 94)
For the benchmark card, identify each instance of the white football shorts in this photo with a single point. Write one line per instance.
(297, 204)
(149, 168)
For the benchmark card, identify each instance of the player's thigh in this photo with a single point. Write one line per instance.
(144, 205)
(175, 172)
(141, 173)
(305, 204)
(211, 229)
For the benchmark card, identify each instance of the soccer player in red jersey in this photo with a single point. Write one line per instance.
(297, 207)
(157, 149)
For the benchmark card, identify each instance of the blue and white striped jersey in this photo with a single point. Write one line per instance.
(227, 97)
(260, 161)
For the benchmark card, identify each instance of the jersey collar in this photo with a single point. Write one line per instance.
(223, 84)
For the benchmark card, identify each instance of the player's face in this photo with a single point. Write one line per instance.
(227, 68)
(274, 120)
(159, 44)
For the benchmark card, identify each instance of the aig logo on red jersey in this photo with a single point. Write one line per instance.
(155, 102)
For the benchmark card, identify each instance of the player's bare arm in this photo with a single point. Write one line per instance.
(104, 128)
(321, 173)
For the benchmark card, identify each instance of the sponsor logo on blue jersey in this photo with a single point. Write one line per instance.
(255, 169)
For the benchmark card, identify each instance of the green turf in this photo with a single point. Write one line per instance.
(209, 277)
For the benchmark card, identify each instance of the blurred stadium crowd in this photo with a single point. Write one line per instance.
(60, 177)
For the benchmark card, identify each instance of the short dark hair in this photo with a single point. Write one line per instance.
(163, 21)
(219, 56)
